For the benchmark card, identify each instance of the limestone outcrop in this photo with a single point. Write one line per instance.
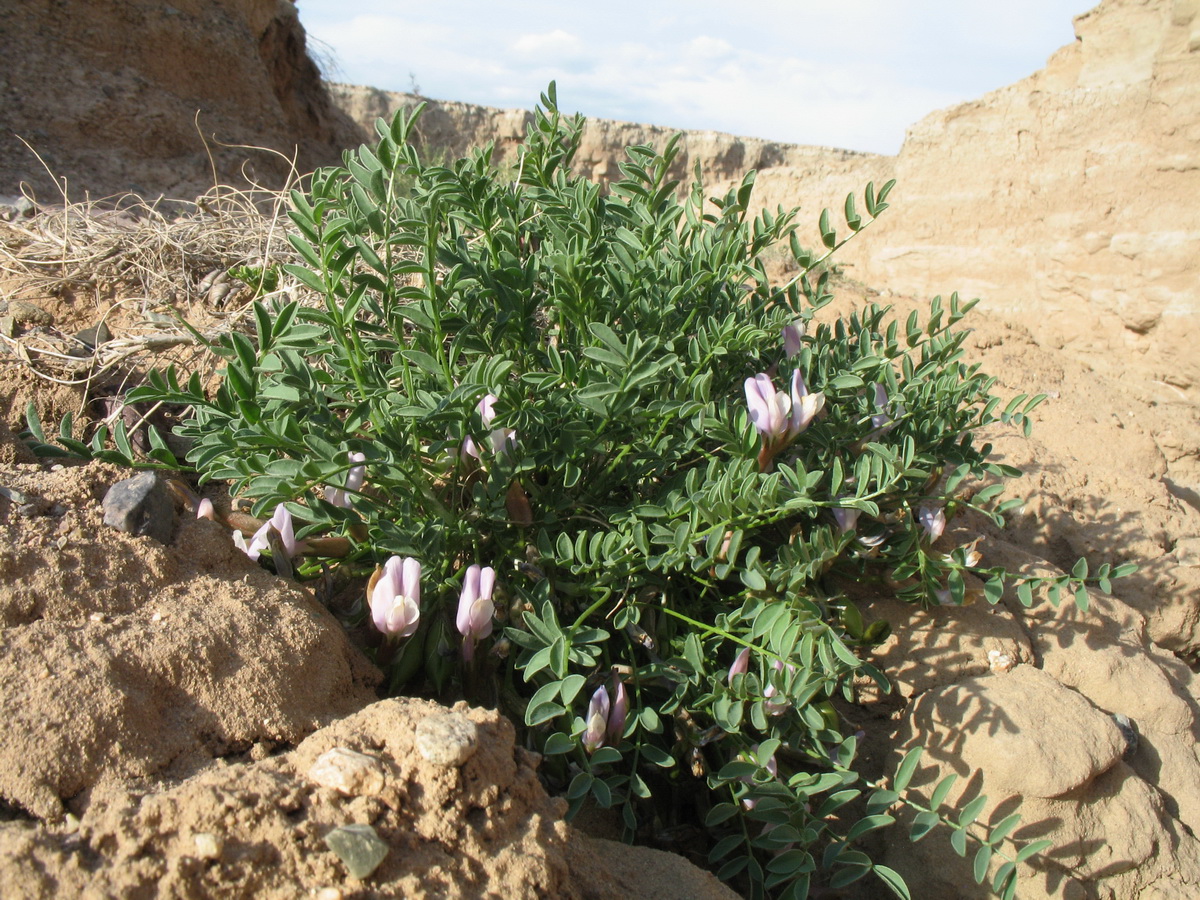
(1069, 196)
(453, 128)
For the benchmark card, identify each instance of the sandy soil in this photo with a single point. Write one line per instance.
(164, 705)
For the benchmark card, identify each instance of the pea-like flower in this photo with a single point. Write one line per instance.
(503, 440)
(396, 598)
(805, 406)
(933, 521)
(741, 663)
(792, 336)
(614, 727)
(281, 523)
(475, 607)
(768, 407)
(597, 721)
(885, 419)
(354, 481)
(846, 518)
(780, 417)
(205, 510)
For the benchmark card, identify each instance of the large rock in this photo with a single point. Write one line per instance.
(258, 829)
(122, 95)
(125, 659)
(1068, 195)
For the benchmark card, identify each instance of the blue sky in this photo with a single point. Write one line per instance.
(844, 73)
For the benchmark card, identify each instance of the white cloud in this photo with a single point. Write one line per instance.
(853, 74)
(552, 43)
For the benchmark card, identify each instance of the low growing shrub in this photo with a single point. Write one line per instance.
(608, 476)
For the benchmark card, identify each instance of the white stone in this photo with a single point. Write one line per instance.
(447, 739)
(349, 772)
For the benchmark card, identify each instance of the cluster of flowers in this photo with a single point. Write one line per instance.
(396, 602)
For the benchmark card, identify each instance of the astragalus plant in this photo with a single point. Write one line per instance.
(607, 475)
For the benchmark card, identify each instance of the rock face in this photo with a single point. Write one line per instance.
(454, 128)
(115, 96)
(1068, 195)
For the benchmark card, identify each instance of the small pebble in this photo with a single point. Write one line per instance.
(328, 893)
(351, 773)
(28, 313)
(359, 847)
(447, 739)
(208, 846)
(141, 505)
(1000, 662)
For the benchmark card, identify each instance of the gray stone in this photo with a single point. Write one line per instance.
(447, 739)
(91, 338)
(23, 313)
(141, 505)
(359, 847)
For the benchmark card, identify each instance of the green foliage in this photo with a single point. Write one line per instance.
(551, 380)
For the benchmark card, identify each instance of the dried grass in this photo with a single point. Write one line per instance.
(145, 267)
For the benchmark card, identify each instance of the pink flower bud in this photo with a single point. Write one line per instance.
(741, 663)
(777, 707)
(614, 728)
(792, 336)
(475, 607)
(597, 721)
(281, 523)
(396, 598)
(204, 510)
(354, 482)
(847, 519)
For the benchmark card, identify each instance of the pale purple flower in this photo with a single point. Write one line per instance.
(281, 523)
(933, 520)
(847, 519)
(204, 510)
(805, 406)
(885, 420)
(354, 481)
(597, 721)
(396, 598)
(503, 440)
(792, 335)
(614, 728)
(475, 607)
(741, 663)
(768, 407)
(779, 416)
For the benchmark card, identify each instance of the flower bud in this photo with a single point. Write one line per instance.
(475, 607)
(741, 663)
(597, 721)
(614, 728)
